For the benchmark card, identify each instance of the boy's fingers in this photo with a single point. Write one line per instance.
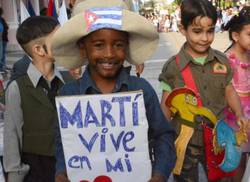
(62, 177)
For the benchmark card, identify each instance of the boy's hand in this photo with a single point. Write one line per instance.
(62, 177)
(139, 69)
(157, 178)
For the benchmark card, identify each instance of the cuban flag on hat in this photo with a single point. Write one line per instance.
(98, 18)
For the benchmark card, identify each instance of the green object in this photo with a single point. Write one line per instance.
(200, 60)
(39, 117)
(165, 87)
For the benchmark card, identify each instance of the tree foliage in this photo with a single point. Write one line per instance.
(177, 2)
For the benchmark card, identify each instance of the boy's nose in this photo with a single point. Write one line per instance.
(109, 52)
(204, 37)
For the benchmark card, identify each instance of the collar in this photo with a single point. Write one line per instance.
(35, 75)
(186, 58)
(86, 81)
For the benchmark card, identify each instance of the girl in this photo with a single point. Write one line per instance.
(239, 58)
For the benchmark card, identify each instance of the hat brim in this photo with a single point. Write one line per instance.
(143, 39)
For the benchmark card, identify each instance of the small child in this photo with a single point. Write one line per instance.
(239, 58)
(30, 110)
(106, 46)
(211, 75)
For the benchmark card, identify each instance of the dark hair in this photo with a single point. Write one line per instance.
(237, 22)
(35, 27)
(190, 9)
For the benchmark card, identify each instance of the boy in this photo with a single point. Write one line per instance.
(211, 73)
(105, 47)
(30, 109)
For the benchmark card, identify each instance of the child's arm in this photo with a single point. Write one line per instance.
(166, 78)
(233, 101)
(162, 136)
(13, 123)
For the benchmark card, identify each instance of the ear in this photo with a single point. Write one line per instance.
(182, 30)
(38, 50)
(235, 36)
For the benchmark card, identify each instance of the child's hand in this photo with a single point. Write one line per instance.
(139, 69)
(157, 178)
(243, 122)
(62, 177)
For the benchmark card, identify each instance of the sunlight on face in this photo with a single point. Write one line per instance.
(243, 38)
(199, 36)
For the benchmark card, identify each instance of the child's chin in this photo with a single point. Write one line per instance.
(110, 75)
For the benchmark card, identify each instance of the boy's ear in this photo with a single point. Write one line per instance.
(235, 36)
(182, 29)
(38, 50)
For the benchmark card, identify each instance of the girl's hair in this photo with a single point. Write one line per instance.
(190, 9)
(237, 22)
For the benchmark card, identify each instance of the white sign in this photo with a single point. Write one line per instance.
(105, 137)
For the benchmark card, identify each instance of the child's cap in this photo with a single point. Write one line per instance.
(143, 37)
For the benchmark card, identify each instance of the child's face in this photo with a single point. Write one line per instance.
(41, 47)
(199, 36)
(106, 51)
(243, 38)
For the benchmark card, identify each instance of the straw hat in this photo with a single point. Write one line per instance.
(80, 5)
(143, 37)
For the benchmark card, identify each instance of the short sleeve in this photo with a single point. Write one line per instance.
(168, 73)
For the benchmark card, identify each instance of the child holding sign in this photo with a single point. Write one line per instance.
(105, 41)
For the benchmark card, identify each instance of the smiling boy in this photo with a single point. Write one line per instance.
(106, 46)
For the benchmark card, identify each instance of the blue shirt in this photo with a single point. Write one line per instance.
(1, 27)
(161, 135)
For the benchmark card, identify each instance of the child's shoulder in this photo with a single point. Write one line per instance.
(220, 56)
(170, 63)
(138, 83)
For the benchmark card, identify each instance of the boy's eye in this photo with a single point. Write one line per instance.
(211, 30)
(197, 31)
(120, 45)
(98, 44)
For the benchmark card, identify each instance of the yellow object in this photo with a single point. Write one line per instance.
(181, 145)
(187, 107)
(241, 136)
(182, 101)
(217, 149)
